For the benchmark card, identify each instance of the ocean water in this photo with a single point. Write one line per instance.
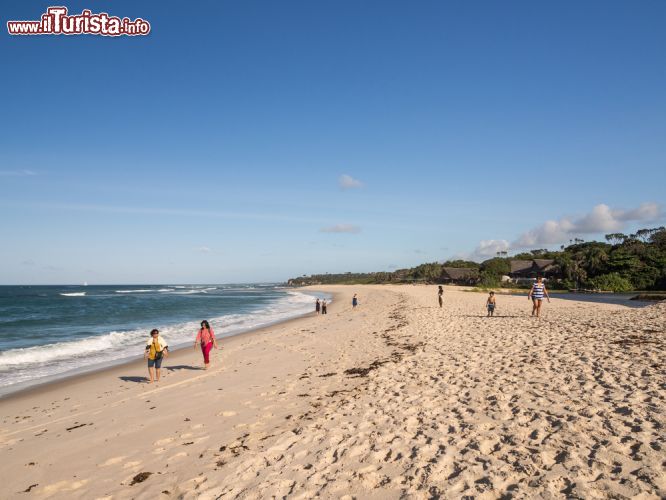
(48, 332)
(622, 299)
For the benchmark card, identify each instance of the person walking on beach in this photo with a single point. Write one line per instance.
(490, 304)
(317, 306)
(440, 295)
(206, 339)
(323, 307)
(537, 293)
(354, 301)
(156, 350)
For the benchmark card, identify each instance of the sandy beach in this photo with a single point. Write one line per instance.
(397, 398)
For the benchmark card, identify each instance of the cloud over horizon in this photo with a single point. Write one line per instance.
(489, 248)
(348, 182)
(341, 228)
(602, 219)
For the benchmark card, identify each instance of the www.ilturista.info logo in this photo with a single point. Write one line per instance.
(56, 21)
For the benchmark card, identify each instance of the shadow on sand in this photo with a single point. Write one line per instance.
(182, 367)
(485, 316)
(134, 379)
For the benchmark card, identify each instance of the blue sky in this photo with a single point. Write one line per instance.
(213, 149)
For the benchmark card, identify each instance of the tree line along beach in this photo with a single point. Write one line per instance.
(622, 263)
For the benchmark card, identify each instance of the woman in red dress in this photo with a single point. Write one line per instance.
(206, 339)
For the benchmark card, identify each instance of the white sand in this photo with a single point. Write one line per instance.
(397, 398)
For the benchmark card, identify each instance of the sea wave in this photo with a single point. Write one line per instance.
(64, 350)
(74, 294)
(134, 291)
(194, 291)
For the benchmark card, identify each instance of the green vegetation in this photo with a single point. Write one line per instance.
(627, 262)
(492, 271)
(622, 263)
(470, 264)
(612, 282)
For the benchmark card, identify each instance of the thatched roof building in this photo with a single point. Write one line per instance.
(532, 268)
(460, 275)
(520, 266)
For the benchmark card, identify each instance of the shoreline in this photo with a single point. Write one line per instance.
(132, 364)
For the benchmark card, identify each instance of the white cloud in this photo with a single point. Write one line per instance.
(348, 182)
(341, 228)
(486, 249)
(17, 173)
(602, 219)
(646, 212)
(489, 248)
(205, 249)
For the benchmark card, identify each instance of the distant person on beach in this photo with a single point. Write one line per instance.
(206, 339)
(537, 293)
(354, 301)
(317, 306)
(323, 307)
(156, 350)
(440, 295)
(490, 304)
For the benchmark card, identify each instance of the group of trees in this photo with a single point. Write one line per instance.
(627, 262)
(622, 263)
(492, 270)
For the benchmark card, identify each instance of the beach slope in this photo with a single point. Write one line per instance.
(395, 398)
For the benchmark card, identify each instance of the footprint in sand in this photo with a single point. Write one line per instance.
(178, 455)
(64, 486)
(163, 441)
(112, 461)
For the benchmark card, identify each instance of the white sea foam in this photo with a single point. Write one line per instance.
(134, 291)
(74, 294)
(65, 350)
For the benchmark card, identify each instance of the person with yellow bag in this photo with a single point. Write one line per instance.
(156, 350)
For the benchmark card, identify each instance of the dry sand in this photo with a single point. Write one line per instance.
(395, 399)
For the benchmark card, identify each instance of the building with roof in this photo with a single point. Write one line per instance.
(460, 275)
(530, 269)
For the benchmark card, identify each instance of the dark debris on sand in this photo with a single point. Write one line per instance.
(140, 477)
